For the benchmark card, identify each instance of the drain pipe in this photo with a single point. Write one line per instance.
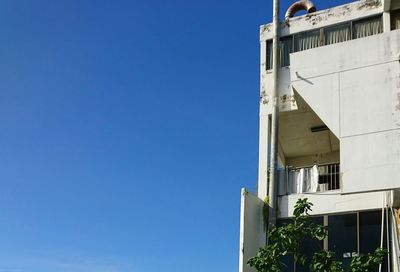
(382, 226)
(395, 241)
(387, 237)
(272, 192)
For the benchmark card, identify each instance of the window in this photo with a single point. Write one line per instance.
(286, 47)
(328, 35)
(307, 247)
(395, 19)
(370, 226)
(307, 40)
(337, 34)
(342, 236)
(329, 176)
(367, 27)
(348, 235)
(269, 55)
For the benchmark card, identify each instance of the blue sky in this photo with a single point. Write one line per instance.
(127, 131)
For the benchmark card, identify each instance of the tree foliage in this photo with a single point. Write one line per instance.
(286, 240)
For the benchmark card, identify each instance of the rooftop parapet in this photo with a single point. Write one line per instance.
(326, 17)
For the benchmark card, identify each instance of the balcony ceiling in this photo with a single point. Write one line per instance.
(296, 138)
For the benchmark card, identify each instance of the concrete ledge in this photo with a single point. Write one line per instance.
(334, 202)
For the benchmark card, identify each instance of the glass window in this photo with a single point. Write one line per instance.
(337, 34)
(395, 19)
(329, 35)
(286, 47)
(347, 234)
(342, 236)
(370, 233)
(269, 55)
(307, 40)
(307, 247)
(287, 261)
(367, 27)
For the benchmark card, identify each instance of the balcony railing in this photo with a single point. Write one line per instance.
(311, 179)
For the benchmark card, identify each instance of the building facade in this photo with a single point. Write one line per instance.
(339, 129)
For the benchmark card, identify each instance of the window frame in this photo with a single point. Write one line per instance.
(322, 38)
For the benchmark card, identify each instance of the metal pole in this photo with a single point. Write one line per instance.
(387, 237)
(275, 118)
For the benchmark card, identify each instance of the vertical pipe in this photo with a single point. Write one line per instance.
(395, 241)
(387, 237)
(382, 226)
(326, 240)
(275, 118)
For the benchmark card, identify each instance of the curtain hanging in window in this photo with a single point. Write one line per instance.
(396, 23)
(307, 40)
(269, 55)
(285, 50)
(395, 19)
(337, 34)
(367, 28)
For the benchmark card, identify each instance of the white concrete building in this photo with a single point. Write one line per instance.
(339, 128)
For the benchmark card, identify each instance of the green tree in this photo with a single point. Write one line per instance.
(285, 240)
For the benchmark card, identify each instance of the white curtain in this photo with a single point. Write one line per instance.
(337, 34)
(306, 180)
(395, 19)
(307, 40)
(314, 179)
(300, 181)
(396, 23)
(367, 28)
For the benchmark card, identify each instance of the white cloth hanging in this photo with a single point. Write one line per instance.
(300, 181)
(314, 176)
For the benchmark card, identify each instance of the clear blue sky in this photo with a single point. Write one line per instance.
(127, 130)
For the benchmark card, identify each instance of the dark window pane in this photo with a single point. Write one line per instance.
(370, 233)
(287, 261)
(395, 19)
(269, 55)
(342, 236)
(286, 47)
(309, 246)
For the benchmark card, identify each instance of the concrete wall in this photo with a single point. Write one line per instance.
(360, 80)
(252, 235)
(334, 202)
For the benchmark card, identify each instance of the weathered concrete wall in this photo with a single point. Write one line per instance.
(339, 14)
(360, 80)
(331, 203)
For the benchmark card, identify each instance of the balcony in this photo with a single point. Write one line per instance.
(310, 179)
